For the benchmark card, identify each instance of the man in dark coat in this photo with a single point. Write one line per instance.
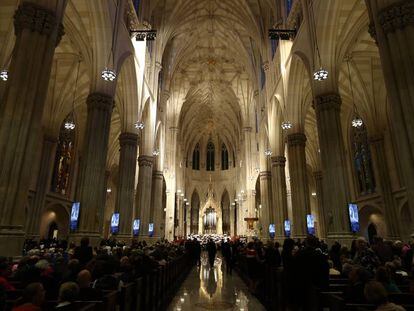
(211, 250)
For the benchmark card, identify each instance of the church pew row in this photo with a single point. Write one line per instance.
(152, 292)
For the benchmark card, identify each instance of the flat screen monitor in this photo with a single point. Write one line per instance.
(272, 230)
(150, 229)
(135, 227)
(74, 216)
(310, 223)
(287, 228)
(353, 217)
(115, 223)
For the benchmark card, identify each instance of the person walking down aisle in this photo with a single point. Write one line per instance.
(227, 252)
(211, 250)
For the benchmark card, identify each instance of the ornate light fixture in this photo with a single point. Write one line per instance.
(286, 125)
(268, 152)
(109, 190)
(321, 74)
(108, 75)
(70, 121)
(356, 120)
(4, 75)
(156, 152)
(141, 35)
(139, 125)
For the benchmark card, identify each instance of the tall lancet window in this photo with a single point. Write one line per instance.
(210, 156)
(63, 160)
(362, 160)
(224, 157)
(196, 157)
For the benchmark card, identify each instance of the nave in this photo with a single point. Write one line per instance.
(213, 289)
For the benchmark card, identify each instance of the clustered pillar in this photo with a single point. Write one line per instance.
(299, 183)
(125, 195)
(266, 202)
(279, 195)
(157, 208)
(335, 181)
(91, 181)
(143, 195)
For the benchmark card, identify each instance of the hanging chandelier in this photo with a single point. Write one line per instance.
(356, 120)
(286, 125)
(69, 124)
(139, 125)
(4, 75)
(70, 121)
(320, 74)
(268, 152)
(156, 152)
(108, 74)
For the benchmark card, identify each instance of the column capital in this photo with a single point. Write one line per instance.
(278, 161)
(327, 102)
(35, 18)
(318, 175)
(265, 175)
(128, 139)
(296, 139)
(372, 32)
(396, 16)
(145, 160)
(100, 101)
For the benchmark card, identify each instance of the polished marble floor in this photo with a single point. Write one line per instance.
(213, 289)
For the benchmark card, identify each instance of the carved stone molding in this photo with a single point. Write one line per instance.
(278, 161)
(327, 102)
(128, 139)
(265, 175)
(296, 139)
(34, 17)
(145, 160)
(99, 101)
(397, 16)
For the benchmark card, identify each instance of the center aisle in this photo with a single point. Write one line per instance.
(213, 289)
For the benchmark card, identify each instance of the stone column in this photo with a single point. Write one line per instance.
(390, 207)
(91, 180)
(124, 203)
(21, 109)
(298, 183)
(143, 195)
(266, 201)
(392, 26)
(279, 195)
(158, 211)
(42, 186)
(319, 197)
(333, 160)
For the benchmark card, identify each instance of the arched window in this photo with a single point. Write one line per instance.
(196, 157)
(210, 156)
(63, 160)
(224, 157)
(362, 160)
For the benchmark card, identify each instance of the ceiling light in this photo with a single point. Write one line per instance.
(286, 125)
(4, 75)
(69, 125)
(108, 75)
(268, 152)
(109, 190)
(156, 152)
(139, 125)
(314, 194)
(357, 122)
(320, 75)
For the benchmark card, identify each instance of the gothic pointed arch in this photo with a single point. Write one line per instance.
(196, 157)
(210, 156)
(224, 157)
(225, 207)
(195, 210)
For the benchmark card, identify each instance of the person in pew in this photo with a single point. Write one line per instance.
(72, 271)
(365, 256)
(354, 292)
(332, 270)
(105, 278)
(86, 292)
(383, 275)
(32, 299)
(376, 294)
(68, 294)
(5, 272)
(83, 252)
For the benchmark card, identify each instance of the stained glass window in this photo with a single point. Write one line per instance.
(63, 160)
(196, 157)
(362, 160)
(224, 157)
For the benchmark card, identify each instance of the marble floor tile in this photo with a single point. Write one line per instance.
(208, 288)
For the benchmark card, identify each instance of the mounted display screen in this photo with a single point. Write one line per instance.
(74, 216)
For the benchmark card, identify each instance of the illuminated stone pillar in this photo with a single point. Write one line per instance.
(333, 161)
(157, 208)
(125, 195)
(36, 29)
(92, 180)
(279, 195)
(42, 186)
(320, 204)
(266, 202)
(143, 195)
(392, 27)
(299, 183)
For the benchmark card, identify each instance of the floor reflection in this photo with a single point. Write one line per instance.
(210, 288)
